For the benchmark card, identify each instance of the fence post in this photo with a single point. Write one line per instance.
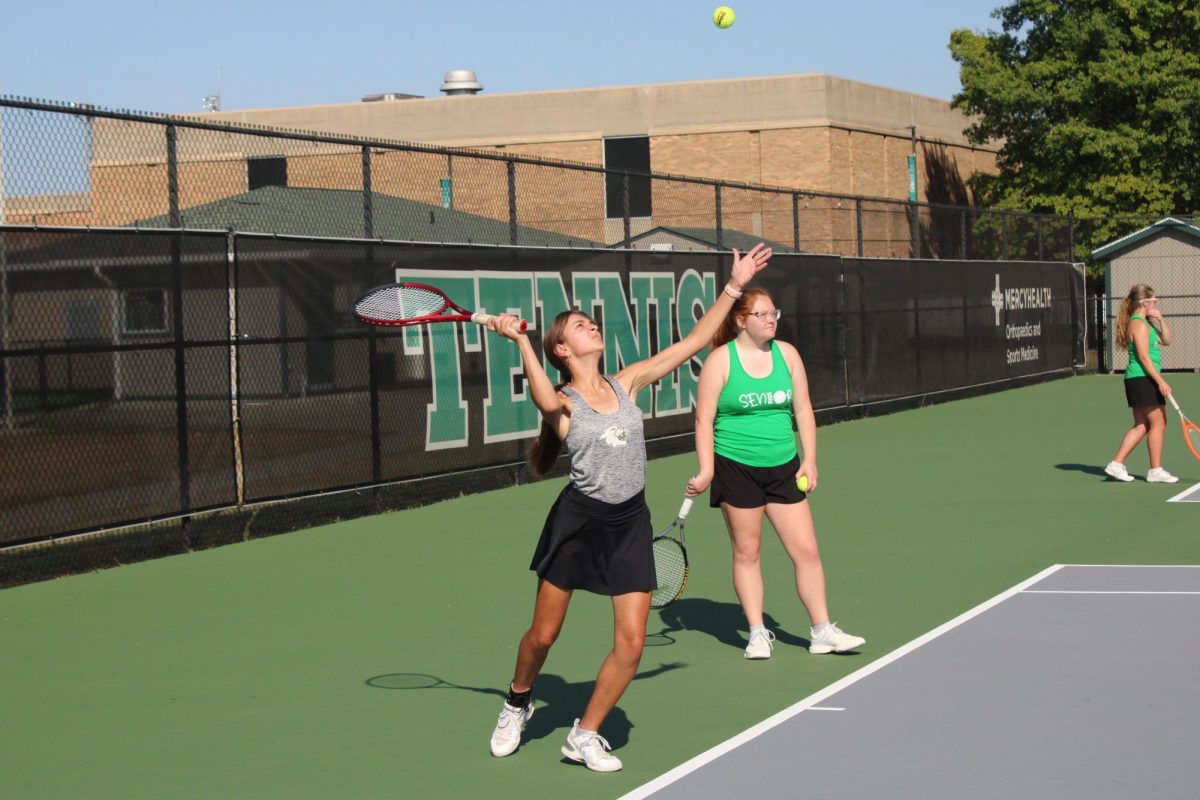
(963, 233)
(914, 249)
(796, 220)
(720, 223)
(1039, 237)
(858, 224)
(1071, 235)
(512, 202)
(235, 373)
(181, 410)
(368, 195)
(628, 232)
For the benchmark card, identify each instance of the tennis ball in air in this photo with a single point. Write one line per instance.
(802, 483)
(723, 16)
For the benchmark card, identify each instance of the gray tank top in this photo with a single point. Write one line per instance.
(608, 451)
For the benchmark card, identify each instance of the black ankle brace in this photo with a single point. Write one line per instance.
(519, 699)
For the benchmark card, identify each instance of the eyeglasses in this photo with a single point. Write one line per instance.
(764, 316)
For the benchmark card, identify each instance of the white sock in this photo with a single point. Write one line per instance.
(757, 629)
(819, 629)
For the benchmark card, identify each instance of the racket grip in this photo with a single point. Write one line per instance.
(1171, 397)
(483, 319)
(686, 508)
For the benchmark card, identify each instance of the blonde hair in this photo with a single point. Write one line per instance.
(741, 307)
(1138, 294)
(546, 447)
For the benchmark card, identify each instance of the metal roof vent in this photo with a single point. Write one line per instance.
(461, 81)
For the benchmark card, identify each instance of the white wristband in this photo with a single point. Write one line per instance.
(734, 293)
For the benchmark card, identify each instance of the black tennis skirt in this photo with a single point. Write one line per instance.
(1142, 391)
(603, 548)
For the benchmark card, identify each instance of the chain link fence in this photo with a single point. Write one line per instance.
(76, 165)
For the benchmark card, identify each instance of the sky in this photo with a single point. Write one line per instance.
(167, 57)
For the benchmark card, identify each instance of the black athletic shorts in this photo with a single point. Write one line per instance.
(743, 486)
(1143, 392)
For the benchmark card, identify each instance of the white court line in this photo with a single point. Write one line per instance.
(808, 703)
(1185, 493)
(1087, 591)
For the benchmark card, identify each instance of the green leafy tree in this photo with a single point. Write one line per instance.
(1096, 104)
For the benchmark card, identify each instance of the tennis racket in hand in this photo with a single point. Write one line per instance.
(401, 304)
(671, 561)
(1191, 431)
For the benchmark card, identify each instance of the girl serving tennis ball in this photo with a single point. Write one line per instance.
(597, 536)
(751, 389)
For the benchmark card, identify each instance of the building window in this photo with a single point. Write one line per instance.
(268, 171)
(144, 311)
(630, 153)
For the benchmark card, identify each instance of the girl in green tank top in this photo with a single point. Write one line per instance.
(1141, 329)
(750, 392)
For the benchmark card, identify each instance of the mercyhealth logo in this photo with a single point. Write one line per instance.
(1025, 298)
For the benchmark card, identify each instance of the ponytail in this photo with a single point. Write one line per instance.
(1137, 295)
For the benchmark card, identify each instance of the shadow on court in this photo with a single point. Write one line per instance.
(558, 701)
(1088, 469)
(725, 622)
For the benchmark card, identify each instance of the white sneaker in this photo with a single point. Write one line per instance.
(507, 736)
(761, 644)
(1116, 469)
(829, 638)
(1160, 475)
(591, 749)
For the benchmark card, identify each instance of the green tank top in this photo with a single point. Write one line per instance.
(1134, 370)
(754, 415)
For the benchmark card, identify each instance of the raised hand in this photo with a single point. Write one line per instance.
(745, 267)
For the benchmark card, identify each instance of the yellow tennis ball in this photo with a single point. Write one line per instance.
(802, 483)
(723, 16)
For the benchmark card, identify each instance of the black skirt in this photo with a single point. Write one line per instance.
(599, 547)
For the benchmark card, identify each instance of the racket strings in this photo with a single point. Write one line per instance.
(400, 302)
(670, 565)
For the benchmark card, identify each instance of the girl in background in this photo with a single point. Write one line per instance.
(1141, 328)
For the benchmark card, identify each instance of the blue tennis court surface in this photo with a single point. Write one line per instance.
(1191, 495)
(1077, 683)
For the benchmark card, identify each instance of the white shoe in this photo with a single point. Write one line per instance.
(507, 736)
(591, 749)
(1160, 475)
(1116, 469)
(761, 644)
(829, 638)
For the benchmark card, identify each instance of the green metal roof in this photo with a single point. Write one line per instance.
(338, 213)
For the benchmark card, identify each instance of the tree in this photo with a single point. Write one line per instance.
(1096, 104)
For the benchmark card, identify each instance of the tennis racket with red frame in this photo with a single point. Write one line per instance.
(671, 561)
(401, 304)
(1191, 431)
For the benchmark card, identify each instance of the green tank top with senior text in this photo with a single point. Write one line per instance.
(1135, 369)
(753, 425)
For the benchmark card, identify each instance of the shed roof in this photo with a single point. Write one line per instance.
(1181, 224)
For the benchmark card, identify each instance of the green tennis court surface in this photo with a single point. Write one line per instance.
(276, 668)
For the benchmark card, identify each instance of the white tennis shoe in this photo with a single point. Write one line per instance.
(829, 638)
(1116, 469)
(761, 644)
(1160, 475)
(591, 749)
(506, 738)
